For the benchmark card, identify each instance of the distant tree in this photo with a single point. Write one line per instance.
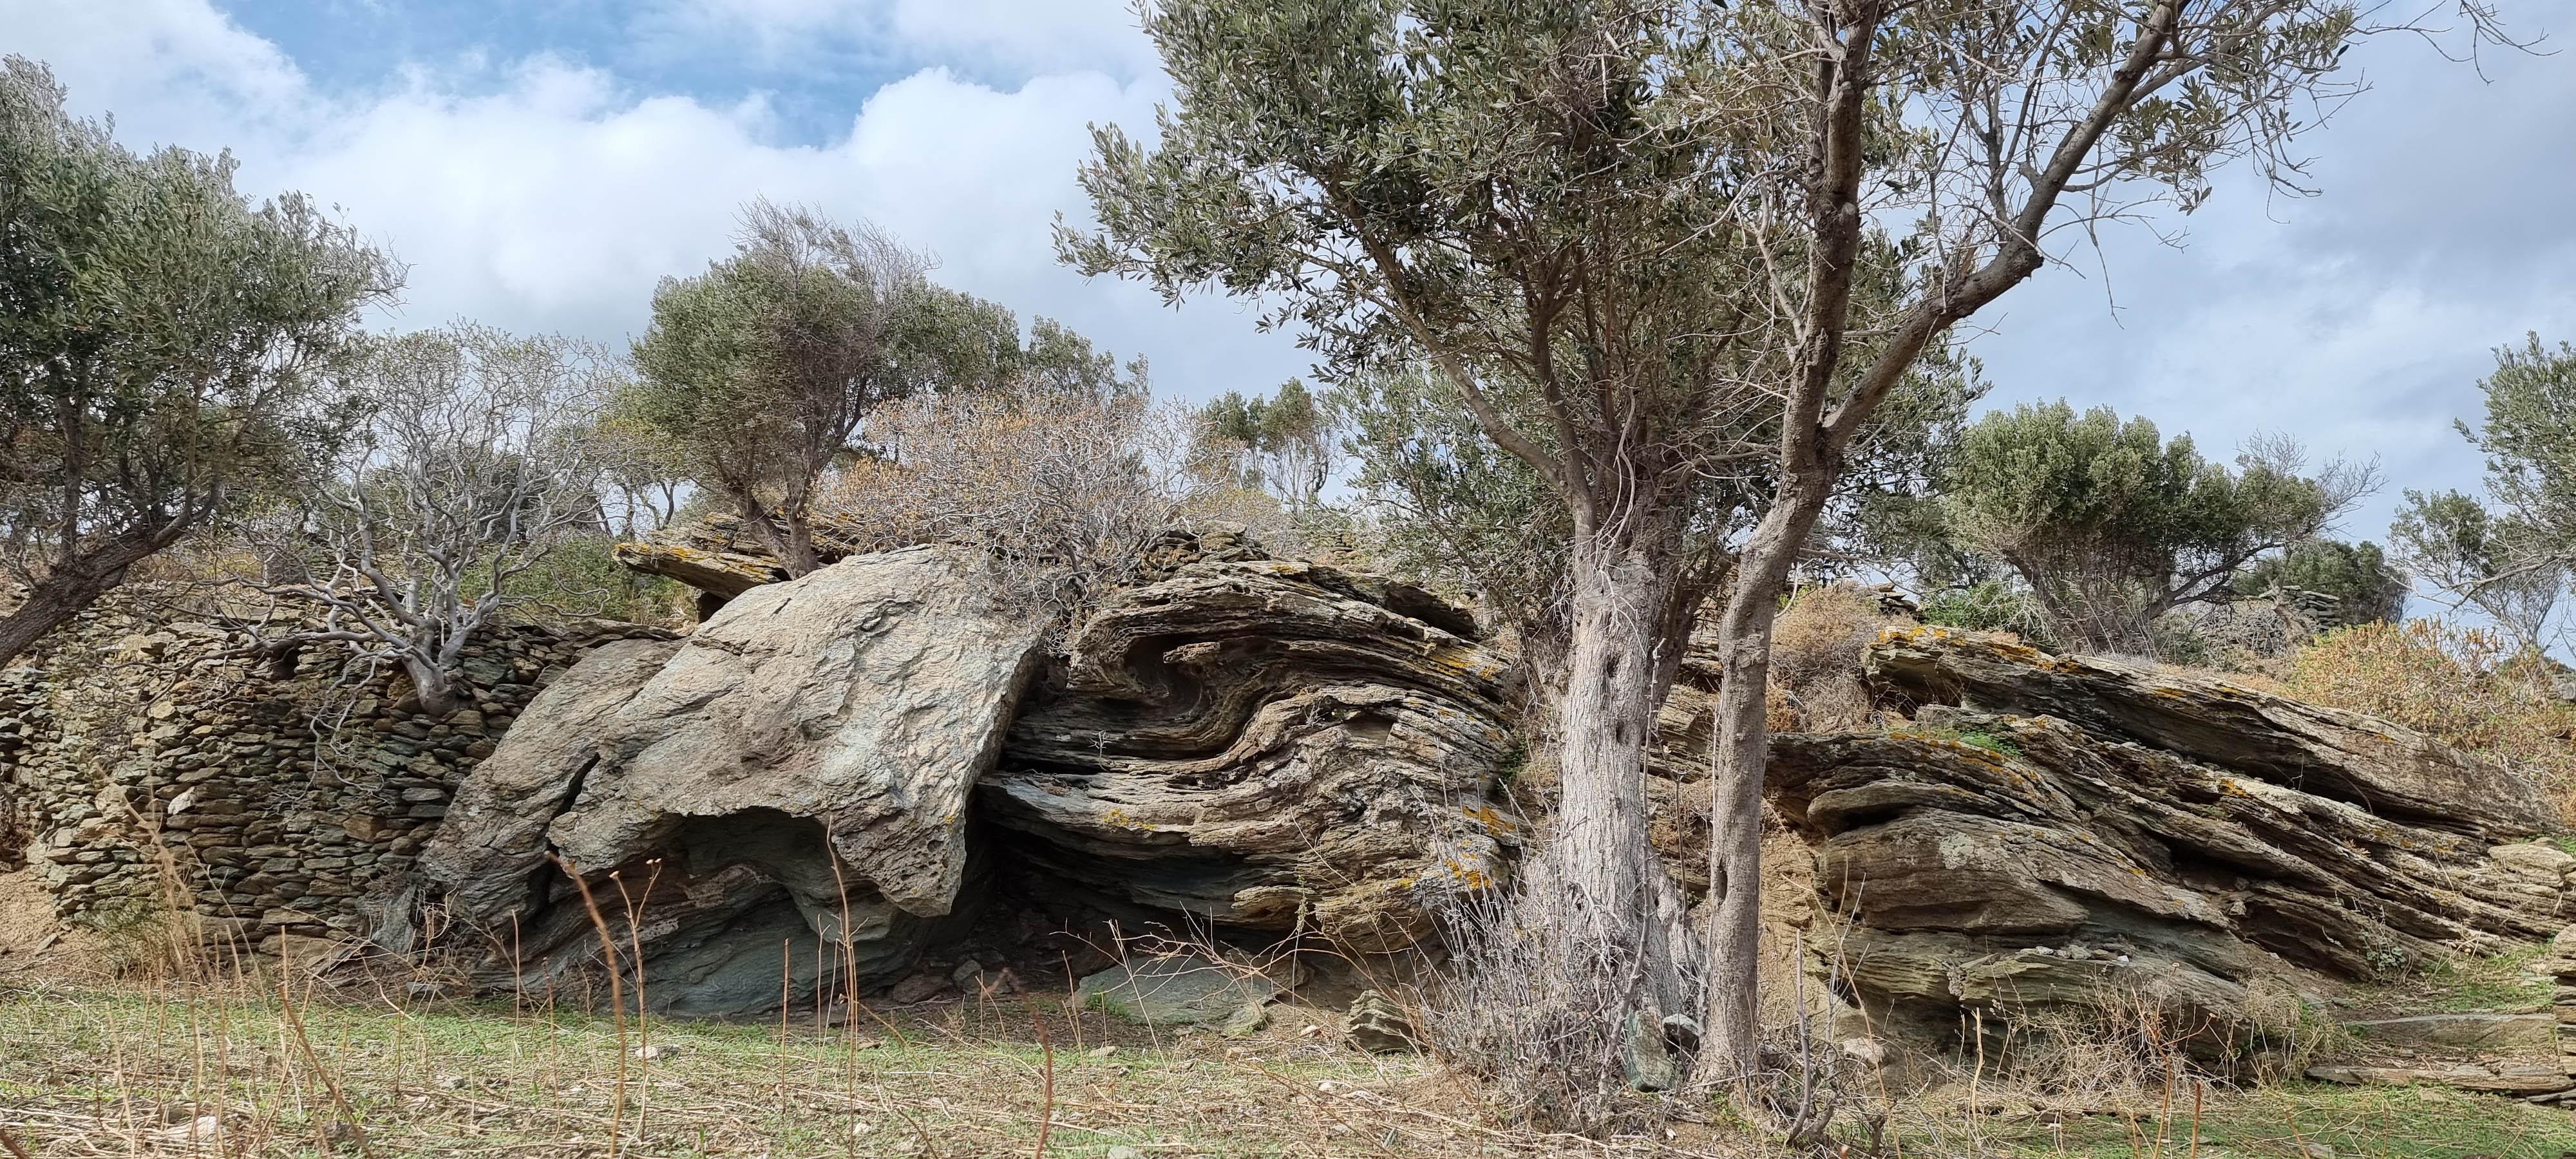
(644, 472)
(763, 367)
(2357, 575)
(761, 372)
(2112, 526)
(1280, 443)
(2511, 555)
(470, 465)
(159, 338)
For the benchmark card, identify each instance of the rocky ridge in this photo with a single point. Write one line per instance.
(2049, 829)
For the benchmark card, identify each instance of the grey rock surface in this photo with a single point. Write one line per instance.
(2050, 829)
(1377, 1025)
(1264, 743)
(798, 768)
(1177, 990)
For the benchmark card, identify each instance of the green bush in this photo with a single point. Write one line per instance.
(1990, 606)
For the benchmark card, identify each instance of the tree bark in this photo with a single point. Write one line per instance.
(50, 605)
(1622, 593)
(69, 589)
(434, 687)
(1731, 1045)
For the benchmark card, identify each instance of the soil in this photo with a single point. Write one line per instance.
(33, 945)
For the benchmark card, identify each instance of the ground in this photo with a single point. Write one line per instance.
(139, 1069)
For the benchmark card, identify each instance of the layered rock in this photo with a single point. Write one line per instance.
(2052, 829)
(1270, 746)
(797, 770)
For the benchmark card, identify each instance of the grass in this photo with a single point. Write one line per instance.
(2366, 1122)
(2498, 982)
(99, 1071)
(95, 1071)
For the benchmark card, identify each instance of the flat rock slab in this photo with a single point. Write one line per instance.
(2498, 1080)
(1185, 990)
(2467, 1031)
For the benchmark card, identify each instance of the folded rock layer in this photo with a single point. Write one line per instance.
(2059, 830)
(1270, 746)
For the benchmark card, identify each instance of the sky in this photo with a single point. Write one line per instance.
(541, 163)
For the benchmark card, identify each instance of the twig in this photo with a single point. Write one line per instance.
(1046, 1112)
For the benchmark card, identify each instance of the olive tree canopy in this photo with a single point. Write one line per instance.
(2513, 554)
(2111, 525)
(760, 373)
(159, 337)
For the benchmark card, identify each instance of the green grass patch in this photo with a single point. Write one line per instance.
(2369, 1122)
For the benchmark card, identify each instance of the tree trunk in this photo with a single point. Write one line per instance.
(1622, 593)
(52, 603)
(432, 685)
(72, 587)
(1730, 1041)
(1730, 1050)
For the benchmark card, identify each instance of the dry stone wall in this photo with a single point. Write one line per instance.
(146, 764)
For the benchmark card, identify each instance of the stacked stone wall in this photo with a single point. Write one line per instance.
(147, 765)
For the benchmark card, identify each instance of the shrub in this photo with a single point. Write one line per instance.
(1990, 606)
(1816, 648)
(1062, 491)
(2467, 686)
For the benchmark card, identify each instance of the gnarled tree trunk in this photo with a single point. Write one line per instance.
(1620, 657)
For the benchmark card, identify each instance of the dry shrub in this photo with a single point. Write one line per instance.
(1061, 490)
(2467, 686)
(1816, 646)
(1533, 1001)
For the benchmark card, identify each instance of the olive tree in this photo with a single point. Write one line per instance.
(2111, 525)
(2511, 555)
(159, 338)
(760, 373)
(474, 458)
(762, 368)
(1656, 243)
(1281, 443)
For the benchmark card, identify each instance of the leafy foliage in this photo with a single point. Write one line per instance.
(2512, 556)
(2110, 525)
(160, 338)
(1281, 443)
(2358, 576)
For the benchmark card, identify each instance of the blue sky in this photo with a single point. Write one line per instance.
(541, 163)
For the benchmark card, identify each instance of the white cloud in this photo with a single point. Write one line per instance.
(1012, 36)
(536, 194)
(556, 198)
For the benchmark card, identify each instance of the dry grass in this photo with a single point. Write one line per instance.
(1816, 647)
(2466, 686)
(235, 1070)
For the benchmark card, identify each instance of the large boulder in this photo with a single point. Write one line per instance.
(2063, 831)
(1269, 746)
(798, 769)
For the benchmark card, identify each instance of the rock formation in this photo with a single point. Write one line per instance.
(798, 769)
(2056, 829)
(1270, 746)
